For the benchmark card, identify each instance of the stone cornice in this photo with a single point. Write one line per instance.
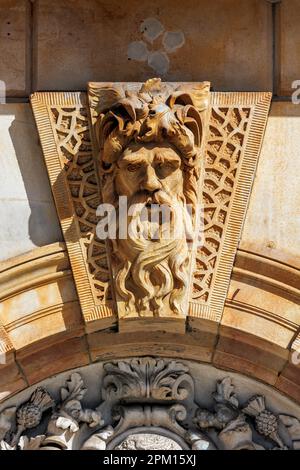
(32, 269)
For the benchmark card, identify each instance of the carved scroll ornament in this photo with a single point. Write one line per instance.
(141, 396)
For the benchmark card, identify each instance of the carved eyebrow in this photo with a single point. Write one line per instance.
(160, 157)
(132, 159)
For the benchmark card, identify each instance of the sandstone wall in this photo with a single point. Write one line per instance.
(61, 44)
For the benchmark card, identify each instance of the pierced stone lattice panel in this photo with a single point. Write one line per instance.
(64, 127)
(75, 147)
(234, 139)
(227, 132)
(233, 142)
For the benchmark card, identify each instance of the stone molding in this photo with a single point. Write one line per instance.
(28, 280)
(33, 268)
(267, 279)
(278, 276)
(237, 344)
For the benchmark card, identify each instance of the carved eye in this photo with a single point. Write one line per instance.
(165, 165)
(133, 167)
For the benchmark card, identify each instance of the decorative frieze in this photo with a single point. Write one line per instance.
(141, 396)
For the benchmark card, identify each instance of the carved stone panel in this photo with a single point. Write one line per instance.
(64, 128)
(234, 138)
(174, 145)
(146, 403)
(149, 153)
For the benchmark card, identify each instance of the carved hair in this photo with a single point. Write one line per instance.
(150, 279)
(153, 114)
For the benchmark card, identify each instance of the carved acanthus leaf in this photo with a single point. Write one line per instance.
(70, 413)
(98, 440)
(5, 446)
(146, 393)
(225, 392)
(147, 377)
(74, 388)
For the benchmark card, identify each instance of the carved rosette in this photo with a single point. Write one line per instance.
(142, 396)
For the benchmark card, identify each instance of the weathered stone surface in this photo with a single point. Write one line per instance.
(272, 222)
(288, 37)
(11, 378)
(14, 46)
(108, 344)
(289, 380)
(262, 293)
(56, 358)
(204, 375)
(38, 298)
(27, 212)
(32, 316)
(40, 313)
(288, 388)
(94, 40)
(249, 355)
(157, 165)
(194, 406)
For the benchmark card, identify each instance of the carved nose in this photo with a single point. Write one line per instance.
(151, 182)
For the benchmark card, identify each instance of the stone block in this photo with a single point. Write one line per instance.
(57, 358)
(249, 355)
(11, 378)
(255, 309)
(139, 325)
(224, 42)
(14, 46)
(111, 345)
(272, 228)
(288, 38)
(27, 212)
(38, 298)
(289, 380)
(289, 388)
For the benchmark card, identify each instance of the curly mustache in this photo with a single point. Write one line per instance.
(160, 197)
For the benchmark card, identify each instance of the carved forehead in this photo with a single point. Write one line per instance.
(150, 150)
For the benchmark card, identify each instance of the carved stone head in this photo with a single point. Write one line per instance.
(150, 151)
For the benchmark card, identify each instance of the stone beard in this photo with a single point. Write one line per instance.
(152, 275)
(150, 153)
